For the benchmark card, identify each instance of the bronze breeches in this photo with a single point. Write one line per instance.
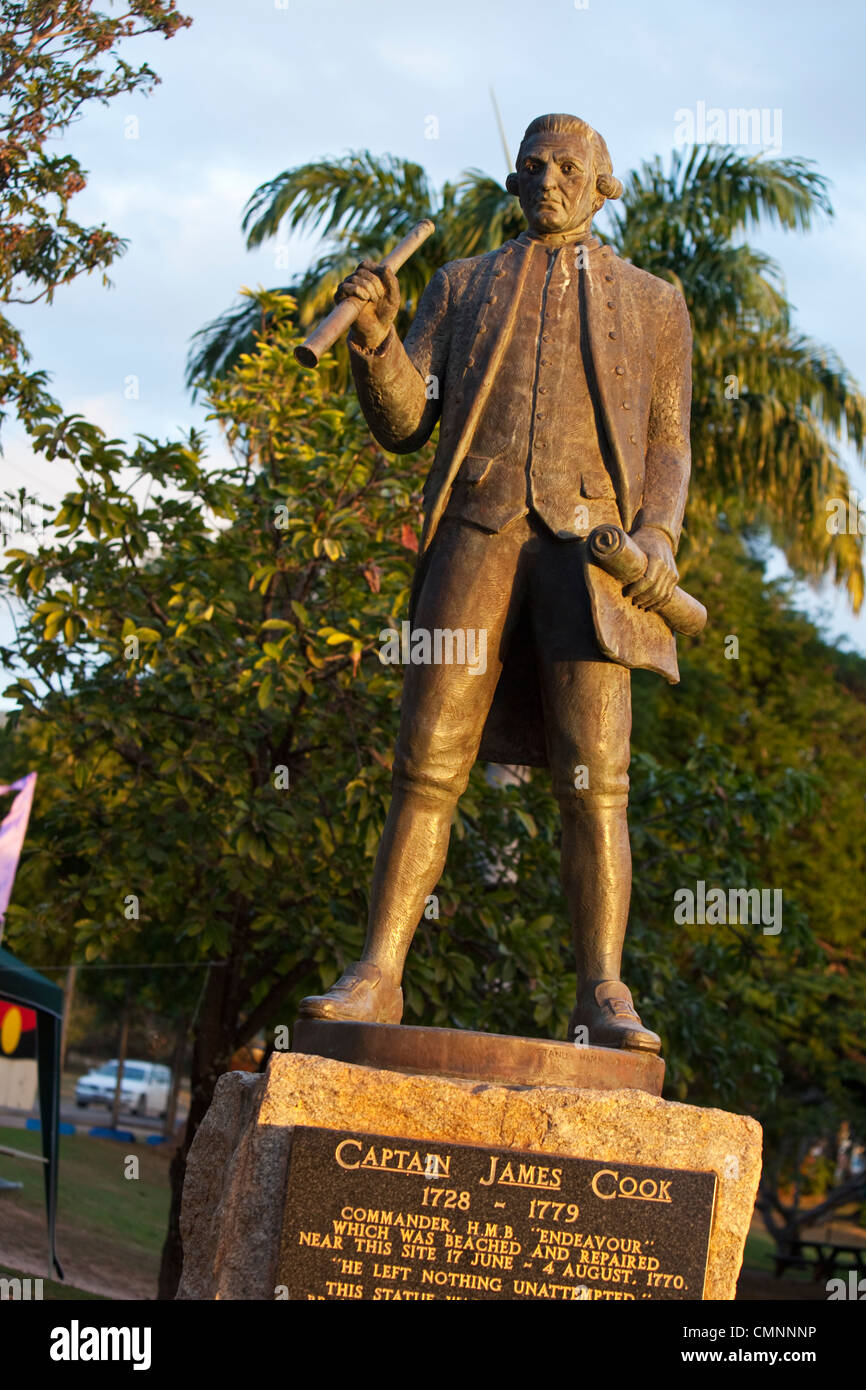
(484, 585)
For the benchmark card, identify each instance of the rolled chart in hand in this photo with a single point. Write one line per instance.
(614, 551)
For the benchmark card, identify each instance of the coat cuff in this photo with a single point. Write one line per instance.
(672, 540)
(371, 354)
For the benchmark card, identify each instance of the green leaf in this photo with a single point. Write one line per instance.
(528, 822)
(266, 692)
(325, 835)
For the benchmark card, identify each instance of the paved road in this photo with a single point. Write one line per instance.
(87, 1118)
(101, 1115)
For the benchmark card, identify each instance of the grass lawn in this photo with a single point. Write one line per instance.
(51, 1290)
(110, 1226)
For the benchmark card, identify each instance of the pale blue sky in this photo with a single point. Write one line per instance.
(256, 86)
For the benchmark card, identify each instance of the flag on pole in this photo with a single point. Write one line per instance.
(12, 832)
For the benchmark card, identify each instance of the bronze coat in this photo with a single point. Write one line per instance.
(640, 342)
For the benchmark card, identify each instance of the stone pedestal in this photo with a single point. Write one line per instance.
(236, 1174)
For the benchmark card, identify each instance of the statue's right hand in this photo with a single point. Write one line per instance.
(377, 289)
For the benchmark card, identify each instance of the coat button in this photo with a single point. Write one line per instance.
(609, 279)
(611, 334)
(545, 362)
(545, 337)
(620, 371)
(610, 304)
(626, 405)
(631, 439)
(491, 300)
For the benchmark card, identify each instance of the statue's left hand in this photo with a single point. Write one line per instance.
(659, 580)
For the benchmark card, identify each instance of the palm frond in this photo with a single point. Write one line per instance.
(360, 192)
(712, 189)
(485, 215)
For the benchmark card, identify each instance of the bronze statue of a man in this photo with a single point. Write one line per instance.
(561, 377)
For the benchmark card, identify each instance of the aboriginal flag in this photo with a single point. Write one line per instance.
(18, 1052)
(17, 1032)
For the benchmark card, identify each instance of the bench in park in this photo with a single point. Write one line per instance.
(823, 1257)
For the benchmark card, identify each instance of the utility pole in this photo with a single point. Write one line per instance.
(121, 1058)
(176, 1070)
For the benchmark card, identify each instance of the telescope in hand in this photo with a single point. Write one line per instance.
(340, 319)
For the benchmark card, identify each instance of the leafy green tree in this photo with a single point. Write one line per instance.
(56, 56)
(212, 747)
(781, 699)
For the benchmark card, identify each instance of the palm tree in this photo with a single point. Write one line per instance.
(771, 408)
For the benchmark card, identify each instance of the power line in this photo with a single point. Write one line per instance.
(134, 965)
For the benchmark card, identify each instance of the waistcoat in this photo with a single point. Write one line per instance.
(540, 443)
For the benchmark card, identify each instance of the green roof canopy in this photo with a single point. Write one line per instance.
(23, 985)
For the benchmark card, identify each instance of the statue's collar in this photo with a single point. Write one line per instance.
(558, 239)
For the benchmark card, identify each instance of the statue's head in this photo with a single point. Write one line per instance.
(564, 174)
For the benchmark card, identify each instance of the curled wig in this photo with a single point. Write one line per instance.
(559, 124)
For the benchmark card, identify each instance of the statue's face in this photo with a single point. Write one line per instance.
(556, 182)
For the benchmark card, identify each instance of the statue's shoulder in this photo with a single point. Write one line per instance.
(463, 272)
(643, 282)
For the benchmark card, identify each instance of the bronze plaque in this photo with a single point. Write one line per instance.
(370, 1216)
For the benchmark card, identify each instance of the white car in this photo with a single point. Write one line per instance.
(144, 1087)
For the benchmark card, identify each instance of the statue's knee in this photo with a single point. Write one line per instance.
(582, 793)
(432, 780)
